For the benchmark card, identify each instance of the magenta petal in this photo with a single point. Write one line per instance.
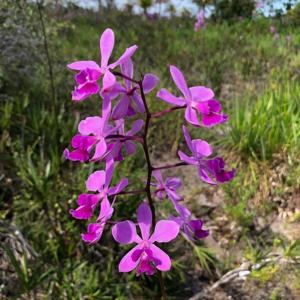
(109, 80)
(180, 81)
(76, 155)
(119, 187)
(82, 142)
(107, 41)
(204, 176)
(157, 175)
(125, 233)
(165, 231)
(84, 64)
(121, 108)
(138, 102)
(127, 263)
(173, 183)
(136, 127)
(94, 233)
(173, 195)
(100, 150)
(144, 217)
(95, 181)
(90, 125)
(127, 70)
(109, 169)
(130, 147)
(106, 210)
(201, 93)
(213, 119)
(191, 116)
(202, 147)
(88, 199)
(150, 81)
(170, 98)
(83, 91)
(162, 259)
(82, 212)
(189, 160)
(187, 137)
(126, 55)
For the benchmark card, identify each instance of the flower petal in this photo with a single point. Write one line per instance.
(126, 55)
(127, 69)
(90, 125)
(94, 233)
(191, 116)
(109, 169)
(130, 147)
(106, 210)
(150, 81)
(168, 97)
(180, 81)
(121, 108)
(162, 259)
(189, 160)
(119, 187)
(127, 263)
(109, 81)
(136, 127)
(83, 64)
(201, 93)
(202, 147)
(88, 199)
(95, 181)
(107, 41)
(100, 150)
(144, 217)
(187, 137)
(125, 233)
(138, 102)
(82, 212)
(165, 231)
(157, 175)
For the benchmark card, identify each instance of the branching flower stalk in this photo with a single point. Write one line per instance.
(98, 141)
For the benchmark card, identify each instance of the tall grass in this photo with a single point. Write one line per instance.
(263, 126)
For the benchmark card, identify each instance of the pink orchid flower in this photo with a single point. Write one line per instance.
(99, 182)
(197, 100)
(92, 135)
(131, 101)
(145, 257)
(90, 72)
(210, 171)
(166, 188)
(95, 230)
(191, 227)
(129, 146)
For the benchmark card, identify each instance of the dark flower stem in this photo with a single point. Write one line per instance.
(166, 111)
(170, 166)
(134, 192)
(124, 138)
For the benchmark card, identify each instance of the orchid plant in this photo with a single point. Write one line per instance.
(123, 125)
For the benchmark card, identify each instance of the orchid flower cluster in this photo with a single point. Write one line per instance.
(108, 138)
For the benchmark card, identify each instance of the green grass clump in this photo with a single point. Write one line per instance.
(264, 126)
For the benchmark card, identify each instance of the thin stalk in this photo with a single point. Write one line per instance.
(47, 52)
(170, 166)
(134, 192)
(166, 111)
